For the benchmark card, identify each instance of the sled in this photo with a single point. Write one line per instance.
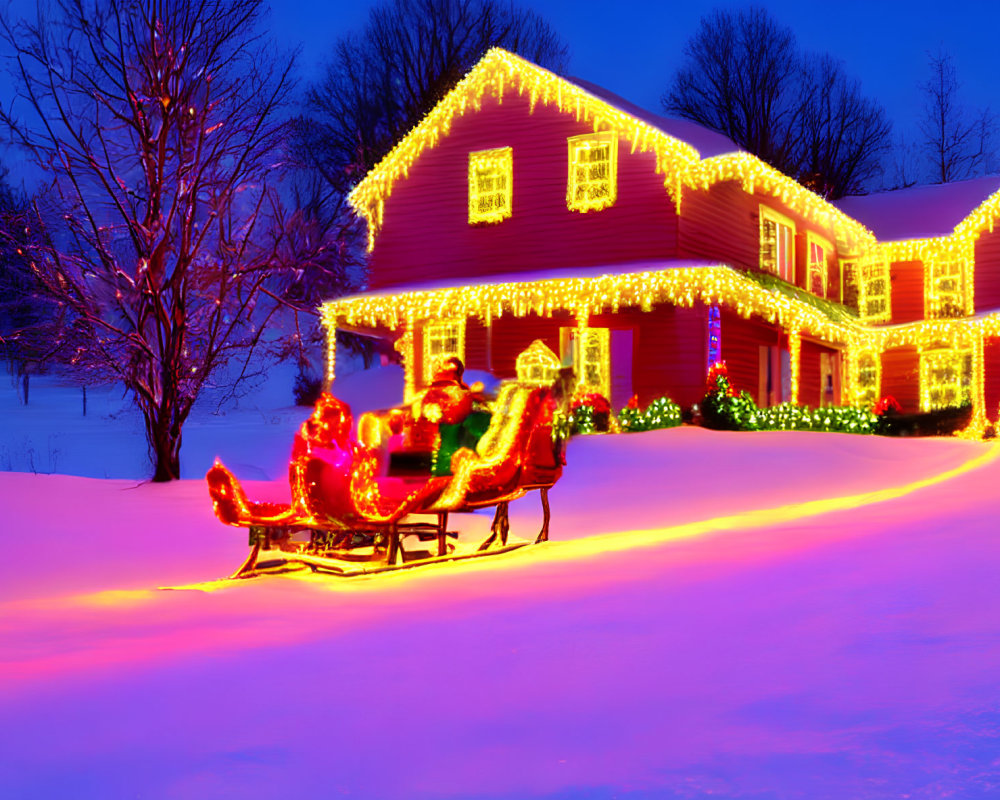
(359, 508)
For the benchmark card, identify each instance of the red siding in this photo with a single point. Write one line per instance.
(723, 222)
(720, 223)
(426, 234)
(907, 281)
(810, 374)
(986, 280)
(511, 335)
(741, 341)
(991, 357)
(477, 354)
(901, 377)
(669, 351)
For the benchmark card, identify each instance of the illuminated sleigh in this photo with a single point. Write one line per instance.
(348, 516)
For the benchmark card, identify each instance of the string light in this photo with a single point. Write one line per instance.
(491, 185)
(948, 261)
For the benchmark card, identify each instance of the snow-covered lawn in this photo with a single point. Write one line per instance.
(710, 620)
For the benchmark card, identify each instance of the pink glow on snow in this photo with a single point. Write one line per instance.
(848, 654)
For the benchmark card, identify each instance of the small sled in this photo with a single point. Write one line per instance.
(362, 507)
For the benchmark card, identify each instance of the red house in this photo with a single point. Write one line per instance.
(527, 206)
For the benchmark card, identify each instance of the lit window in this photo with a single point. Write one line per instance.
(869, 379)
(945, 378)
(819, 250)
(441, 340)
(945, 290)
(593, 165)
(490, 185)
(874, 306)
(777, 244)
(593, 360)
(849, 284)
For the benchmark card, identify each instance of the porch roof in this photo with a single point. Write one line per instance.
(585, 291)
(531, 276)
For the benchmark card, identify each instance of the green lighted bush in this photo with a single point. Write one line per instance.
(661, 413)
(723, 409)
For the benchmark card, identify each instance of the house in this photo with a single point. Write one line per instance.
(526, 206)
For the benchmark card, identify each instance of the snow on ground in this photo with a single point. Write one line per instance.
(670, 643)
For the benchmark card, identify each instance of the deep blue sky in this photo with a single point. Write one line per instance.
(634, 48)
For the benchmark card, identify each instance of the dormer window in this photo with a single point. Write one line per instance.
(777, 244)
(592, 182)
(491, 179)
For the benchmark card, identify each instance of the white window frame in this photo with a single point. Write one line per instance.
(777, 236)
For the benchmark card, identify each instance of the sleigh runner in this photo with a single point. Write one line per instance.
(384, 502)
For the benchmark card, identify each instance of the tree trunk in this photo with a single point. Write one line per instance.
(164, 437)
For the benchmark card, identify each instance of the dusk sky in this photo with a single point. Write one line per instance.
(633, 49)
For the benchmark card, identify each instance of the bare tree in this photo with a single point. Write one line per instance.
(380, 83)
(377, 85)
(745, 77)
(958, 142)
(159, 126)
(23, 308)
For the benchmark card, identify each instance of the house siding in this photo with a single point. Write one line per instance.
(901, 377)
(907, 282)
(426, 234)
(986, 278)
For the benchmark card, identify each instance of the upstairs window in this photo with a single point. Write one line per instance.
(849, 284)
(945, 289)
(442, 338)
(945, 378)
(777, 244)
(592, 182)
(819, 250)
(874, 306)
(491, 182)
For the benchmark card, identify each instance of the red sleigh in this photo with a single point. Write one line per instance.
(349, 515)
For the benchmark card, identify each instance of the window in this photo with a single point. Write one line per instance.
(591, 357)
(819, 250)
(849, 283)
(945, 289)
(490, 185)
(875, 292)
(945, 378)
(442, 339)
(777, 244)
(593, 165)
(869, 379)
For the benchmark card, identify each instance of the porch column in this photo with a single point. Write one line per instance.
(404, 346)
(331, 355)
(794, 351)
(977, 425)
(582, 323)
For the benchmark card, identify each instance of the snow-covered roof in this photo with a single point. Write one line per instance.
(533, 276)
(707, 142)
(919, 212)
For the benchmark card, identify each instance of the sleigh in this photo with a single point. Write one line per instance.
(358, 508)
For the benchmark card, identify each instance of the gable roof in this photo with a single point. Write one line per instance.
(707, 142)
(920, 212)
